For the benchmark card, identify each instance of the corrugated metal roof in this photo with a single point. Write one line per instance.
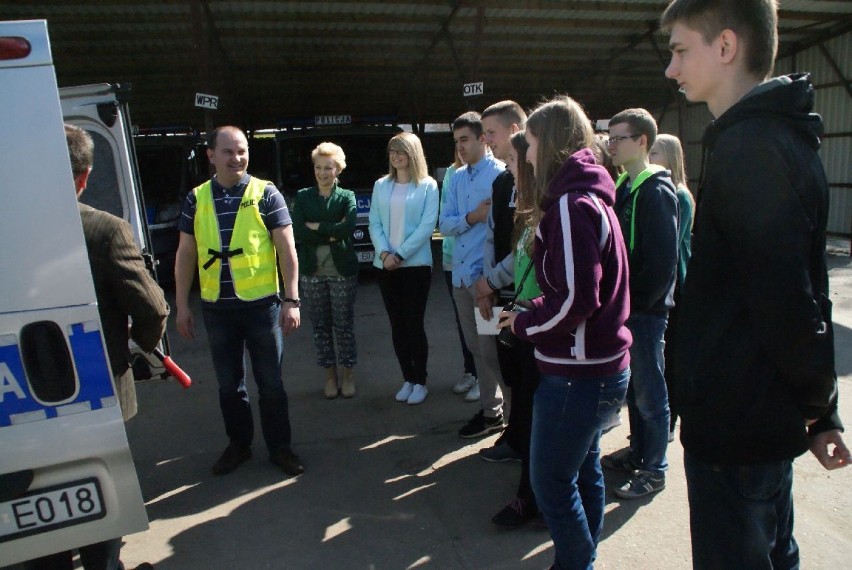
(272, 60)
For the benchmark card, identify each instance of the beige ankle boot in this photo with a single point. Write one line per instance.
(331, 382)
(348, 388)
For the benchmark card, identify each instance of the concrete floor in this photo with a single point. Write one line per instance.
(392, 486)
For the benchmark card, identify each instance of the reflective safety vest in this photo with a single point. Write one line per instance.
(251, 253)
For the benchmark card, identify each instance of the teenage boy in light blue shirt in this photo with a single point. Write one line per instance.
(463, 217)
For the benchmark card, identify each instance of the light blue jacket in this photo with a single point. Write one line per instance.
(421, 214)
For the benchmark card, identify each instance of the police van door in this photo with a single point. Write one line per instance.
(114, 185)
(67, 478)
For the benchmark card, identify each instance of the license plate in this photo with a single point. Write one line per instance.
(51, 508)
(365, 256)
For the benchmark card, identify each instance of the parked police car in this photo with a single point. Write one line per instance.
(365, 146)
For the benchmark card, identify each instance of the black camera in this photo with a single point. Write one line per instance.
(506, 337)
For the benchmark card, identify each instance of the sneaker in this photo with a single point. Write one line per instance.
(517, 513)
(642, 484)
(404, 392)
(499, 452)
(233, 456)
(418, 394)
(480, 426)
(621, 460)
(473, 394)
(288, 461)
(466, 383)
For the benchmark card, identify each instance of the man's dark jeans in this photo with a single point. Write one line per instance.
(230, 332)
(741, 516)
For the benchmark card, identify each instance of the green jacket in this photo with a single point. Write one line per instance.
(336, 216)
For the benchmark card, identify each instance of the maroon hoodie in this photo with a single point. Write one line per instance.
(577, 324)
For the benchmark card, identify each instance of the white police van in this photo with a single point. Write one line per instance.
(66, 474)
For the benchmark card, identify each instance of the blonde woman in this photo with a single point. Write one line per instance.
(668, 153)
(403, 214)
(323, 222)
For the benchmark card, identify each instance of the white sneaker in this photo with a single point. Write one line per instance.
(465, 383)
(404, 392)
(473, 394)
(418, 394)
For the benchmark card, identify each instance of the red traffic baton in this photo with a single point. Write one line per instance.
(173, 369)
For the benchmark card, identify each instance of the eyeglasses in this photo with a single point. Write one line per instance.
(396, 152)
(612, 141)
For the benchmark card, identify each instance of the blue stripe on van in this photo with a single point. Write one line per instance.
(17, 403)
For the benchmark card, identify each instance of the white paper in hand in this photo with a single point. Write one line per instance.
(487, 327)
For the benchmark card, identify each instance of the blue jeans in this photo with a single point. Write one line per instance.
(647, 397)
(230, 332)
(565, 467)
(741, 516)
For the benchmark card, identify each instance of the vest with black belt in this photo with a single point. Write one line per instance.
(251, 253)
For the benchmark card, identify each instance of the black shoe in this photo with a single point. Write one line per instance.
(499, 452)
(233, 456)
(480, 426)
(517, 513)
(288, 462)
(621, 460)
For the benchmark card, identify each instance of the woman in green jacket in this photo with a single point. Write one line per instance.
(323, 222)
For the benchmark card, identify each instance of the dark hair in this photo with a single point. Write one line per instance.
(528, 199)
(81, 149)
(641, 123)
(603, 157)
(472, 120)
(755, 22)
(212, 136)
(508, 112)
(562, 128)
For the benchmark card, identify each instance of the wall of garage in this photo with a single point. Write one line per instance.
(833, 102)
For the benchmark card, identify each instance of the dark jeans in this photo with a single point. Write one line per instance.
(668, 355)
(469, 364)
(741, 516)
(230, 332)
(520, 372)
(647, 397)
(568, 415)
(405, 292)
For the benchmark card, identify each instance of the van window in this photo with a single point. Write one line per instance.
(101, 191)
(47, 362)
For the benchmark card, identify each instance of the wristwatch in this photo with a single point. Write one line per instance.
(295, 302)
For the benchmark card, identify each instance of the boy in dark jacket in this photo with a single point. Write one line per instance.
(646, 205)
(754, 381)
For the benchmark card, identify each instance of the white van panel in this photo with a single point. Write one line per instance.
(36, 210)
(71, 441)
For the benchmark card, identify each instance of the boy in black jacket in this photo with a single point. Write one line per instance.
(754, 378)
(646, 205)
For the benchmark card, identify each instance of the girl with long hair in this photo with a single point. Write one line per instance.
(403, 213)
(577, 326)
(668, 152)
